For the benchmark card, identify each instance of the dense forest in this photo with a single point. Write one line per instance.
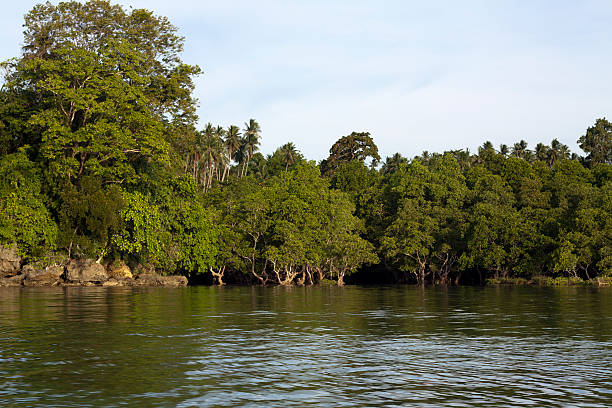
(101, 158)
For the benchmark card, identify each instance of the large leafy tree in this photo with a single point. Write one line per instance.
(597, 142)
(108, 86)
(356, 146)
(423, 237)
(98, 95)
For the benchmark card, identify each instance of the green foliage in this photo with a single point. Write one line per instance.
(105, 84)
(169, 226)
(141, 232)
(174, 234)
(89, 217)
(24, 219)
(100, 157)
(289, 227)
(356, 146)
(192, 248)
(597, 142)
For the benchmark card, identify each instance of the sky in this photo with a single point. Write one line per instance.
(417, 75)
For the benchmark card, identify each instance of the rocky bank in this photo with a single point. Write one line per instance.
(77, 272)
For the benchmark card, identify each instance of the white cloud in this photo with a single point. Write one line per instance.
(417, 75)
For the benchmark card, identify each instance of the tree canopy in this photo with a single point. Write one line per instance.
(101, 157)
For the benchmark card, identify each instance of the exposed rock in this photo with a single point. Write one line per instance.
(153, 279)
(119, 271)
(11, 281)
(77, 284)
(37, 275)
(85, 270)
(113, 282)
(144, 269)
(10, 261)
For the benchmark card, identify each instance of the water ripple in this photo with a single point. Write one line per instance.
(271, 347)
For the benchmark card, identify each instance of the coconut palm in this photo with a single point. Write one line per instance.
(464, 158)
(504, 150)
(520, 150)
(232, 143)
(393, 163)
(424, 158)
(484, 152)
(224, 160)
(211, 150)
(487, 146)
(541, 152)
(557, 152)
(240, 155)
(252, 134)
(288, 154)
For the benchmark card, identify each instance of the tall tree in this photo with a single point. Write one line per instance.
(597, 142)
(393, 163)
(289, 154)
(557, 151)
(107, 83)
(504, 150)
(212, 151)
(541, 152)
(252, 135)
(232, 144)
(356, 146)
(520, 150)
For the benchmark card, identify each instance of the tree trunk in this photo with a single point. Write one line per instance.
(310, 282)
(458, 278)
(320, 273)
(302, 278)
(340, 278)
(218, 275)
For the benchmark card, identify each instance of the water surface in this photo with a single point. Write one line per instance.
(320, 346)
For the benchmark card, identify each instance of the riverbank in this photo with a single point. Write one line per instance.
(88, 272)
(548, 281)
(77, 272)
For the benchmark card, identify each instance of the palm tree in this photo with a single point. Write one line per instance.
(232, 144)
(504, 150)
(211, 148)
(259, 166)
(464, 158)
(223, 157)
(200, 141)
(487, 146)
(393, 163)
(288, 154)
(485, 152)
(557, 152)
(424, 158)
(541, 152)
(240, 155)
(520, 149)
(252, 134)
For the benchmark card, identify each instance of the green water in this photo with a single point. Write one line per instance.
(321, 346)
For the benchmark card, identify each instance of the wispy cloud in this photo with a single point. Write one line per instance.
(417, 75)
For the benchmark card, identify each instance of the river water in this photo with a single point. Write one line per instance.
(307, 346)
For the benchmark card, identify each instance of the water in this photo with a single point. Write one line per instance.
(322, 346)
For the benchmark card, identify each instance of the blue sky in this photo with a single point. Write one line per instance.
(418, 75)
